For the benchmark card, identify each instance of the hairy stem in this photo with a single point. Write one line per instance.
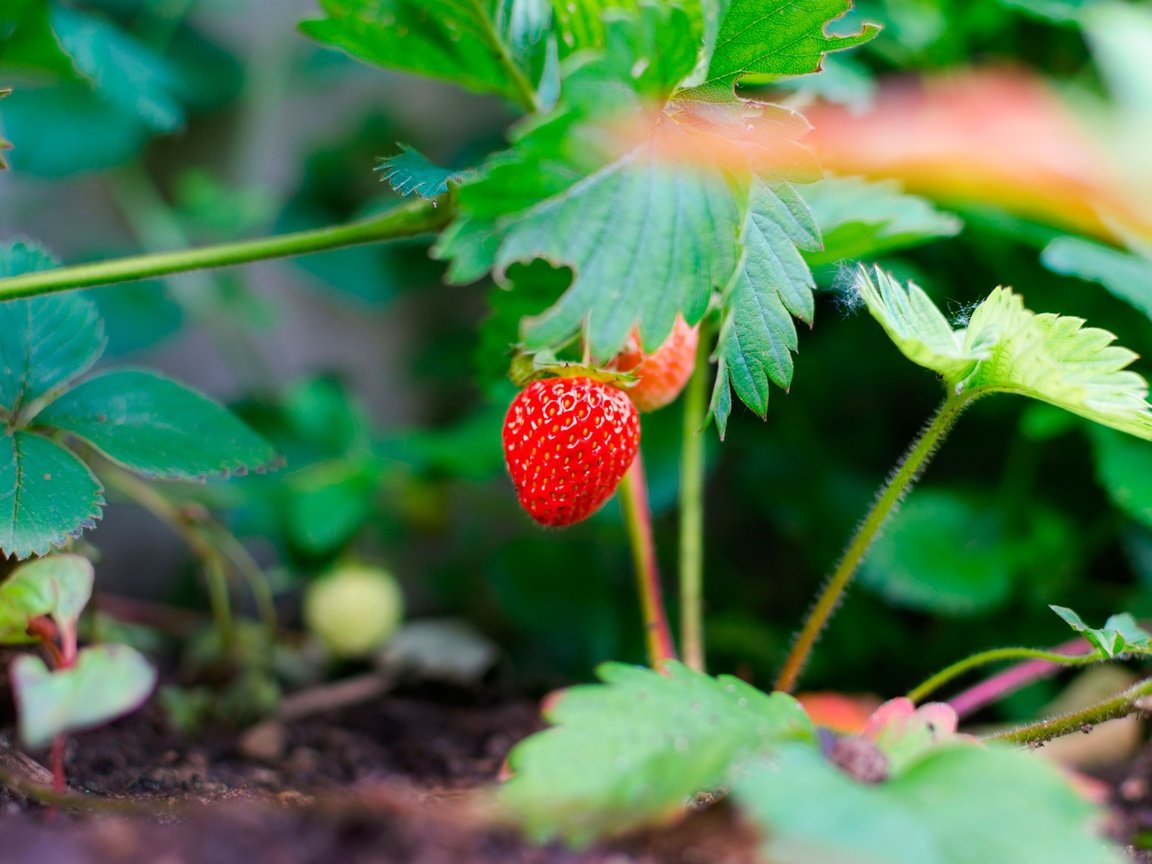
(1012, 679)
(1120, 705)
(931, 685)
(638, 517)
(893, 492)
(418, 217)
(692, 508)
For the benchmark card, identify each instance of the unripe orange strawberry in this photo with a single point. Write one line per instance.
(662, 374)
(568, 443)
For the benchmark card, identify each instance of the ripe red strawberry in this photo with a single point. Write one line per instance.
(568, 442)
(663, 373)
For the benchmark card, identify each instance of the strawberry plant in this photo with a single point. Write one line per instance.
(678, 184)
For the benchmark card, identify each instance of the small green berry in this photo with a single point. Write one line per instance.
(354, 609)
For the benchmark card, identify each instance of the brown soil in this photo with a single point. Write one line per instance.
(401, 778)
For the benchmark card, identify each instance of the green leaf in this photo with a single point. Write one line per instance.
(859, 218)
(157, 427)
(1124, 469)
(58, 585)
(328, 502)
(1119, 635)
(28, 42)
(125, 73)
(635, 749)
(772, 284)
(456, 40)
(68, 129)
(763, 40)
(954, 805)
(1124, 275)
(646, 240)
(409, 171)
(45, 342)
(944, 553)
(106, 682)
(1008, 349)
(47, 495)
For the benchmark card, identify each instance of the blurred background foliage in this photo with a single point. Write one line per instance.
(152, 124)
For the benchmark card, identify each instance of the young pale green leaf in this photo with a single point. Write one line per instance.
(410, 172)
(635, 749)
(1123, 274)
(106, 682)
(917, 326)
(1008, 349)
(45, 342)
(47, 495)
(1119, 635)
(157, 427)
(455, 40)
(860, 218)
(761, 40)
(772, 284)
(955, 804)
(57, 585)
(1056, 359)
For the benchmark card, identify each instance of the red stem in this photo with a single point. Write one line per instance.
(634, 498)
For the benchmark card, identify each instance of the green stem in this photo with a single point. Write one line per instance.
(1120, 705)
(995, 655)
(418, 217)
(638, 517)
(692, 508)
(215, 566)
(893, 492)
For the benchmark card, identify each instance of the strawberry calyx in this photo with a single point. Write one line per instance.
(529, 366)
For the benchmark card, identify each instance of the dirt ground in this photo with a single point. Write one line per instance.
(400, 778)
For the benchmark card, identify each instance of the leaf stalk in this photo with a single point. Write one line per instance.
(692, 507)
(995, 655)
(407, 220)
(909, 469)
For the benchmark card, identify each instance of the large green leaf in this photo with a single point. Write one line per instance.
(1124, 469)
(106, 682)
(1008, 349)
(1124, 274)
(772, 284)
(944, 553)
(157, 427)
(768, 39)
(47, 495)
(859, 218)
(45, 342)
(57, 585)
(457, 40)
(954, 805)
(635, 749)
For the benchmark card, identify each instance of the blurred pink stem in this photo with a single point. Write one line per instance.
(1014, 678)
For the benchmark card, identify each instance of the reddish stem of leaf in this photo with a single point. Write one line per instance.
(1014, 678)
(44, 629)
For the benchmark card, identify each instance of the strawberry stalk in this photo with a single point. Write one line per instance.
(638, 517)
(692, 508)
